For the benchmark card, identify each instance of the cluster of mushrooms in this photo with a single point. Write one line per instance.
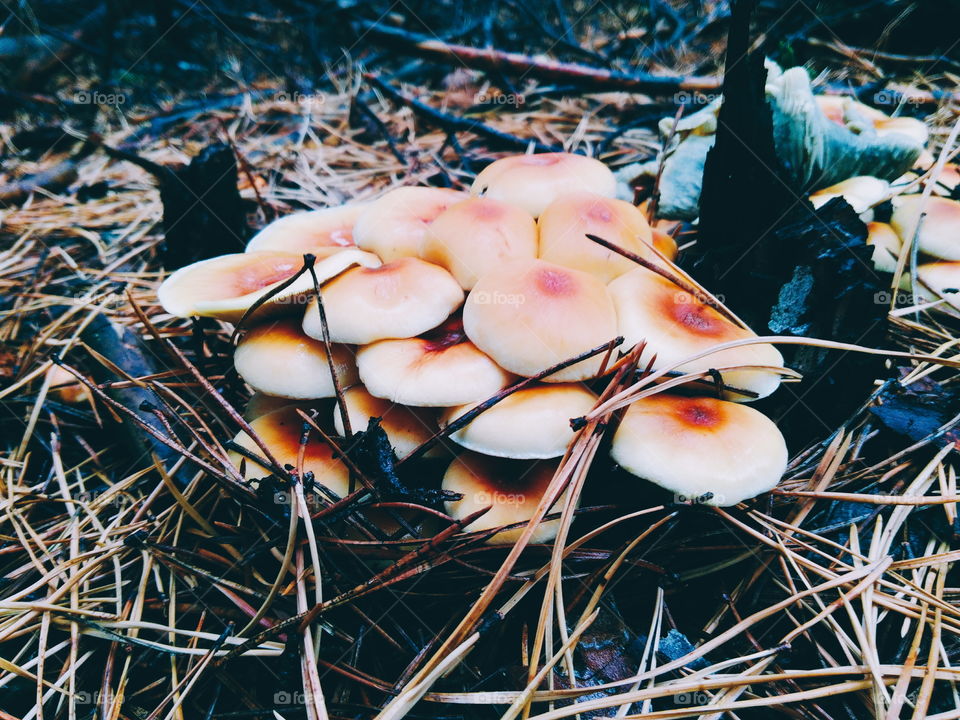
(434, 300)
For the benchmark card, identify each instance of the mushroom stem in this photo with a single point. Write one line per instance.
(699, 293)
(467, 417)
(341, 402)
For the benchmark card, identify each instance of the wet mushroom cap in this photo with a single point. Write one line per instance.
(511, 488)
(478, 235)
(65, 387)
(695, 446)
(279, 359)
(913, 128)
(886, 246)
(862, 193)
(228, 285)
(281, 431)
(938, 234)
(403, 298)
(530, 315)
(534, 181)
(532, 423)
(439, 371)
(406, 427)
(309, 231)
(393, 226)
(566, 222)
(262, 404)
(664, 243)
(677, 324)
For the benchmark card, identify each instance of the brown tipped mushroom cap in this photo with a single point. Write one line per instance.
(401, 299)
(262, 404)
(393, 226)
(407, 428)
(566, 222)
(886, 246)
(911, 127)
(940, 231)
(438, 371)
(478, 235)
(676, 324)
(835, 107)
(511, 488)
(530, 315)
(530, 424)
(534, 181)
(310, 231)
(278, 359)
(227, 286)
(862, 193)
(280, 431)
(665, 243)
(695, 446)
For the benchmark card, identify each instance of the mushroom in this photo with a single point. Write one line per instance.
(886, 246)
(529, 424)
(442, 369)
(512, 489)
(64, 386)
(664, 243)
(939, 231)
(703, 449)
(939, 279)
(912, 127)
(407, 428)
(676, 324)
(535, 181)
(393, 226)
(280, 431)
(227, 286)
(566, 222)
(478, 235)
(862, 193)
(532, 314)
(401, 299)
(278, 359)
(262, 404)
(310, 231)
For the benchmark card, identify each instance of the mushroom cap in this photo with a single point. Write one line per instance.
(835, 108)
(913, 128)
(535, 181)
(309, 231)
(511, 488)
(886, 246)
(403, 298)
(531, 314)
(407, 428)
(477, 235)
(228, 285)
(278, 359)
(393, 225)
(696, 445)
(676, 325)
(532, 423)
(939, 279)
(262, 404)
(280, 431)
(566, 221)
(665, 243)
(938, 232)
(862, 192)
(437, 371)
(64, 386)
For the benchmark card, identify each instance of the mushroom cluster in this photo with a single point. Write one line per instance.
(432, 301)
